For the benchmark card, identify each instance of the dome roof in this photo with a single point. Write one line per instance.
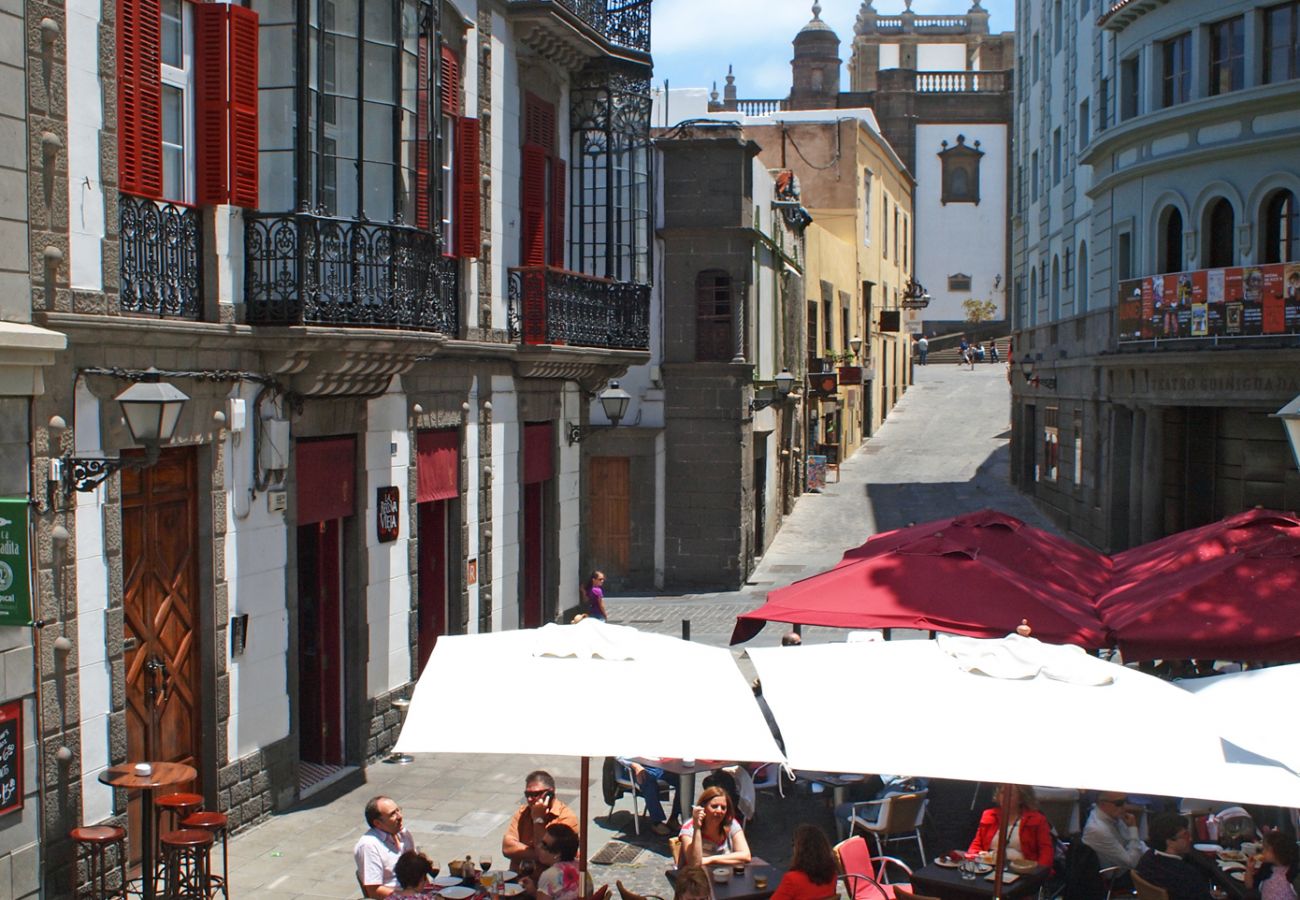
(817, 26)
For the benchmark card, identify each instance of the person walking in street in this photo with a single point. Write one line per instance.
(963, 351)
(923, 348)
(593, 595)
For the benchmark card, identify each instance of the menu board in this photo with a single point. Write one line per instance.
(11, 757)
(1242, 301)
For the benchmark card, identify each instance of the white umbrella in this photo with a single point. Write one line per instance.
(1249, 703)
(1046, 715)
(617, 690)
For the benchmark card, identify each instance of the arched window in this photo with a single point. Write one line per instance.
(1281, 242)
(1169, 251)
(1056, 288)
(1033, 295)
(713, 334)
(1081, 280)
(1220, 237)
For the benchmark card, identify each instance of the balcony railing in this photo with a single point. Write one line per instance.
(622, 23)
(161, 268)
(307, 269)
(555, 306)
(968, 82)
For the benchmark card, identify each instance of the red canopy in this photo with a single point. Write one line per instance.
(937, 583)
(1243, 603)
(1246, 529)
(1052, 559)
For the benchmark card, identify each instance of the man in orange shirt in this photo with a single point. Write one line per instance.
(528, 825)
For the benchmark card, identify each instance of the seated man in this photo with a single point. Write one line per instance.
(379, 848)
(1111, 830)
(529, 822)
(1164, 864)
(647, 780)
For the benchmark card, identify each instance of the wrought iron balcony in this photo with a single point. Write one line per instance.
(556, 306)
(569, 31)
(161, 267)
(307, 269)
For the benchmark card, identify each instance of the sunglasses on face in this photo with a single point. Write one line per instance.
(535, 795)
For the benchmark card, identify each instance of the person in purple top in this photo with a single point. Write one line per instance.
(593, 593)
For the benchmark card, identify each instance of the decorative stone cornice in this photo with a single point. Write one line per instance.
(25, 351)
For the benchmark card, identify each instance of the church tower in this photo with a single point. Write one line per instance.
(815, 66)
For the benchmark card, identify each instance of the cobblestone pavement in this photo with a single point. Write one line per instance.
(943, 451)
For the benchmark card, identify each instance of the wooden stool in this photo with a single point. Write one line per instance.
(187, 861)
(99, 838)
(217, 824)
(179, 806)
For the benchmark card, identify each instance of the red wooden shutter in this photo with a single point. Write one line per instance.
(468, 220)
(423, 204)
(449, 74)
(243, 107)
(557, 212)
(211, 75)
(533, 205)
(139, 115)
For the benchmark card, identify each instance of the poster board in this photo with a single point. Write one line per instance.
(816, 473)
(11, 757)
(1239, 301)
(15, 562)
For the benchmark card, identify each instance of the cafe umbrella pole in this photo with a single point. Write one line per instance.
(583, 804)
(1001, 860)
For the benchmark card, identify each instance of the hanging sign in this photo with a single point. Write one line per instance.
(11, 757)
(388, 513)
(15, 568)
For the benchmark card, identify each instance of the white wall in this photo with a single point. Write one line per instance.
(85, 118)
(93, 673)
(388, 580)
(889, 56)
(568, 491)
(473, 515)
(507, 501)
(256, 558)
(961, 237)
(941, 57)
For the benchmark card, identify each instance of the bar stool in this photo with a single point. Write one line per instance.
(98, 838)
(187, 861)
(217, 824)
(179, 806)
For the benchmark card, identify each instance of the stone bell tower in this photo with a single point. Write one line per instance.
(815, 66)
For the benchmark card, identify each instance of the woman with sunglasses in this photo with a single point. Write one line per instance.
(713, 837)
(558, 851)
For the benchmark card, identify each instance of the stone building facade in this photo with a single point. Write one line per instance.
(378, 287)
(1156, 326)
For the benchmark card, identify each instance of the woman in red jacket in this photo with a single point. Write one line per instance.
(1028, 834)
(812, 867)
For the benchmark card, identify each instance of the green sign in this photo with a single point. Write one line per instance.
(15, 568)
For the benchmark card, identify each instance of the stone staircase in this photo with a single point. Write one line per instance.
(949, 353)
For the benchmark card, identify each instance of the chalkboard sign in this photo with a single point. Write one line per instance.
(11, 757)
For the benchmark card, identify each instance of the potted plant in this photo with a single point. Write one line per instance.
(849, 371)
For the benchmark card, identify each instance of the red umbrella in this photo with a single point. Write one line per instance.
(1241, 604)
(935, 583)
(1246, 529)
(1053, 559)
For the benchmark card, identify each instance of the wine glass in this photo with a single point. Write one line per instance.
(485, 862)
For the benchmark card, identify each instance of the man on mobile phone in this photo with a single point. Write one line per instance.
(528, 825)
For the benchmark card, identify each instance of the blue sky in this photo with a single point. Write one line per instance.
(693, 41)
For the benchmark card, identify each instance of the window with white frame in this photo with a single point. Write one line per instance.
(177, 100)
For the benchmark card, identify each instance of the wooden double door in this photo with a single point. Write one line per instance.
(163, 634)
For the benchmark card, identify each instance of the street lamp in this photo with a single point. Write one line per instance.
(784, 384)
(152, 410)
(614, 402)
(855, 344)
(1290, 416)
(1027, 369)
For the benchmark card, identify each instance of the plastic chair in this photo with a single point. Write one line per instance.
(902, 893)
(626, 784)
(1146, 890)
(863, 887)
(855, 859)
(899, 819)
(1061, 808)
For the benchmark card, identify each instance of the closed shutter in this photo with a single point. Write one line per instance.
(557, 212)
(211, 75)
(423, 201)
(139, 113)
(468, 221)
(243, 107)
(533, 205)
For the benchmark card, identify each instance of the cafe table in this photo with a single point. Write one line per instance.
(945, 882)
(128, 777)
(742, 887)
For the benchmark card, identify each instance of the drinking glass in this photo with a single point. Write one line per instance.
(760, 882)
(488, 879)
(969, 867)
(485, 862)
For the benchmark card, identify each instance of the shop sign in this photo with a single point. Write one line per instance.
(388, 515)
(11, 757)
(15, 566)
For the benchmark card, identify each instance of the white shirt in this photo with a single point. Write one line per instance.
(1116, 842)
(376, 855)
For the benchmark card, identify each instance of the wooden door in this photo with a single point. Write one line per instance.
(609, 514)
(320, 644)
(534, 553)
(432, 577)
(163, 637)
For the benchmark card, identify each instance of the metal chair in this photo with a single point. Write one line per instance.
(1061, 808)
(625, 783)
(899, 819)
(854, 858)
(862, 887)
